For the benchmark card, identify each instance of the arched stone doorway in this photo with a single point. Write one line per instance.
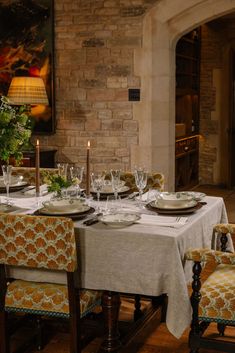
(155, 63)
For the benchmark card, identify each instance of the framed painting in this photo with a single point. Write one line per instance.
(26, 49)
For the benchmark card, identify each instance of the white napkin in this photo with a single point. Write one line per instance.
(149, 195)
(32, 191)
(173, 222)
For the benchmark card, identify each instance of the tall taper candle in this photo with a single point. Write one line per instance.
(37, 168)
(88, 169)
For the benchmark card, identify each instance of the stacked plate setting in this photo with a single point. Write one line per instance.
(175, 202)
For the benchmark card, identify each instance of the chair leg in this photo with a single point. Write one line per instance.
(221, 329)
(4, 341)
(138, 312)
(39, 333)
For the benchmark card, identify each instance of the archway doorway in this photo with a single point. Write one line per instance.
(155, 63)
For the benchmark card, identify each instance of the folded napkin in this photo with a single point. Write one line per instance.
(31, 191)
(149, 195)
(173, 222)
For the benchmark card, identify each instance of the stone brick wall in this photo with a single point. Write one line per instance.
(94, 68)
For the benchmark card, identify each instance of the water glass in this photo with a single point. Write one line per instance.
(62, 169)
(76, 174)
(141, 176)
(115, 181)
(113, 205)
(97, 184)
(7, 170)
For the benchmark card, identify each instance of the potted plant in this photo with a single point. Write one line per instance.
(15, 131)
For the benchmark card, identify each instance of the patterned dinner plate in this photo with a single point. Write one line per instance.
(74, 216)
(152, 207)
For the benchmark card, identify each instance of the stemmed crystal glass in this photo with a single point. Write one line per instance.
(115, 181)
(97, 183)
(140, 180)
(76, 174)
(62, 169)
(7, 170)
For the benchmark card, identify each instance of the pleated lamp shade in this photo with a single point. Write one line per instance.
(27, 90)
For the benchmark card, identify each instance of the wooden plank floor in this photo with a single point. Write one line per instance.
(153, 338)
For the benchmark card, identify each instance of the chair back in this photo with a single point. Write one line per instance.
(29, 173)
(154, 181)
(37, 242)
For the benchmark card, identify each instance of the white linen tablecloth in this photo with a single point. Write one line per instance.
(141, 259)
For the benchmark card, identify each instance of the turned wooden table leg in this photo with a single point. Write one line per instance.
(111, 304)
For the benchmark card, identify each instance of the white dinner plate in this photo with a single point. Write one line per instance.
(108, 190)
(119, 219)
(15, 182)
(4, 207)
(64, 207)
(185, 205)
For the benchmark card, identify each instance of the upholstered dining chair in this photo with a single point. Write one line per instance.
(39, 242)
(214, 300)
(29, 173)
(155, 180)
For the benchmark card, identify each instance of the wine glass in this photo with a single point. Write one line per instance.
(7, 170)
(76, 174)
(62, 169)
(97, 183)
(115, 181)
(140, 180)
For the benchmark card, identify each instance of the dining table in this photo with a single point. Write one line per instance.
(145, 258)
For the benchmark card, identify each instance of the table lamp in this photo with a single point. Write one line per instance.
(27, 91)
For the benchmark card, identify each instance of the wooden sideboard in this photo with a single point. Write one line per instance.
(47, 159)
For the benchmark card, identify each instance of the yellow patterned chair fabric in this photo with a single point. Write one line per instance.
(155, 181)
(28, 173)
(39, 242)
(214, 300)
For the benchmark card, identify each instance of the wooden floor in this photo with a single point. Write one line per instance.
(153, 338)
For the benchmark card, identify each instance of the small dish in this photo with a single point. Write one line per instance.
(175, 206)
(173, 200)
(119, 219)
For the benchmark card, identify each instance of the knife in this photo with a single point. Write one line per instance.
(92, 220)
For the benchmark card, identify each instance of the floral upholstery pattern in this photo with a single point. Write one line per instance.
(29, 173)
(218, 291)
(41, 242)
(218, 296)
(207, 255)
(38, 242)
(224, 228)
(155, 180)
(46, 299)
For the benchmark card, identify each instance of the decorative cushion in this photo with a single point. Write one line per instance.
(218, 296)
(29, 173)
(38, 242)
(46, 298)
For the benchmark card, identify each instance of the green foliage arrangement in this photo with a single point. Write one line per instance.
(15, 130)
(55, 182)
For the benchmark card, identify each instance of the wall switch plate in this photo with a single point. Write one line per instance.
(134, 94)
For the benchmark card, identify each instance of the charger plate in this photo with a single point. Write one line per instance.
(13, 187)
(152, 207)
(75, 216)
